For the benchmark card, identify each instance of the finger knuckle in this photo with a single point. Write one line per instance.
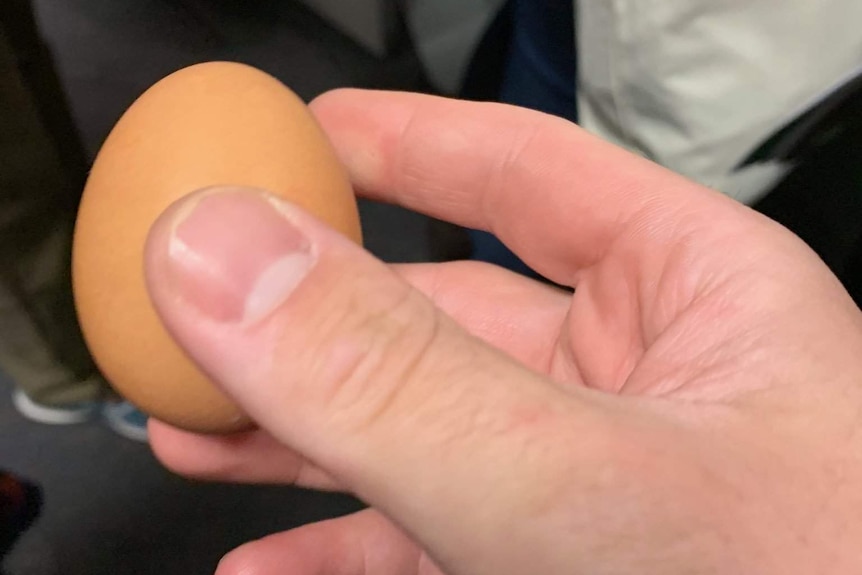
(375, 357)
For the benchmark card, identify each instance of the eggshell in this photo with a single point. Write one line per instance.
(211, 124)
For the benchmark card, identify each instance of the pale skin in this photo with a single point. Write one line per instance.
(693, 407)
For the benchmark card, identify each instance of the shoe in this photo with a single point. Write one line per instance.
(53, 415)
(126, 420)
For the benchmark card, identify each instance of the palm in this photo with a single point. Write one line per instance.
(698, 317)
(653, 326)
(679, 319)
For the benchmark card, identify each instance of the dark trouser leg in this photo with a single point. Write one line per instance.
(41, 175)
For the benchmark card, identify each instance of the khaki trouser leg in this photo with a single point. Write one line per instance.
(41, 347)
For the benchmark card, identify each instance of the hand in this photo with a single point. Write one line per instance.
(694, 407)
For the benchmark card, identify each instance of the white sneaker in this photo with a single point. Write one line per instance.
(53, 415)
(126, 420)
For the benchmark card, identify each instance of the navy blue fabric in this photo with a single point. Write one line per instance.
(540, 74)
(541, 71)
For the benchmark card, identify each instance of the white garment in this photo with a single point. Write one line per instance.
(694, 85)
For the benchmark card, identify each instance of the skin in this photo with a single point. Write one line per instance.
(693, 407)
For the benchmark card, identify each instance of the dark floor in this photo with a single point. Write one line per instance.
(111, 509)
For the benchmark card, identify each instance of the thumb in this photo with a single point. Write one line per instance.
(336, 356)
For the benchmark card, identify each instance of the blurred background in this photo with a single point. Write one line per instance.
(109, 508)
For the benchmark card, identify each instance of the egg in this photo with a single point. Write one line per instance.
(211, 124)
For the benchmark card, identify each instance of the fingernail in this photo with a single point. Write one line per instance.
(235, 256)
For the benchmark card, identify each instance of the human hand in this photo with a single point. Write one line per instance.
(694, 407)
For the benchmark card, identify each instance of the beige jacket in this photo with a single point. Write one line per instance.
(694, 85)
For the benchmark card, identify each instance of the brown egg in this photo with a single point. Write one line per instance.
(212, 124)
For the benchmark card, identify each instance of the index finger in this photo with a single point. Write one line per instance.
(556, 195)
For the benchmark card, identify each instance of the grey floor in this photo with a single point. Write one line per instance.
(110, 508)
